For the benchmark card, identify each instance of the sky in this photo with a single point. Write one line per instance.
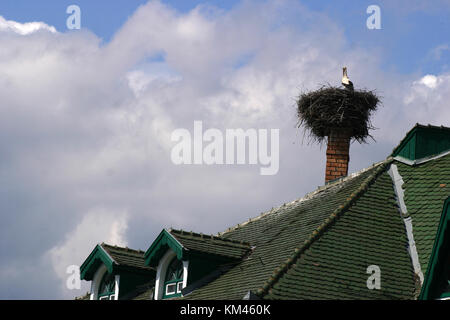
(87, 115)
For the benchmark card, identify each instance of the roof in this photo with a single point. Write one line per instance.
(127, 257)
(390, 215)
(320, 247)
(114, 258)
(186, 244)
(334, 266)
(213, 245)
(277, 233)
(86, 296)
(426, 187)
(141, 292)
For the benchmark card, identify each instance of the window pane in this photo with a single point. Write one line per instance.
(170, 288)
(179, 287)
(175, 270)
(107, 284)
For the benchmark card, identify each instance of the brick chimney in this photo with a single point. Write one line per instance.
(338, 153)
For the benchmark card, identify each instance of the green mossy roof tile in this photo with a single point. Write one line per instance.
(334, 267)
(126, 257)
(424, 199)
(211, 245)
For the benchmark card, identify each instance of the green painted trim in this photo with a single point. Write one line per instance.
(159, 247)
(432, 277)
(93, 261)
(405, 141)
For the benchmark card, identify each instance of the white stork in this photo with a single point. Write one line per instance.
(346, 81)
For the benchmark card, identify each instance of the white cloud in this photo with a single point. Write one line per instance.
(97, 226)
(427, 100)
(24, 28)
(430, 81)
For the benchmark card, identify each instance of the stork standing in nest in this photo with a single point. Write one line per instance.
(345, 80)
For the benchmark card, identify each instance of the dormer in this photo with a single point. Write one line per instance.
(182, 259)
(422, 143)
(115, 272)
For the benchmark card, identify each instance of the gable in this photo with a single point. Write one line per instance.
(97, 257)
(159, 247)
(423, 141)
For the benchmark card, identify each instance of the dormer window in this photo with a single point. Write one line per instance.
(114, 272)
(107, 287)
(174, 279)
(183, 258)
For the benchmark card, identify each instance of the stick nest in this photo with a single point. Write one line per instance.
(330, 107)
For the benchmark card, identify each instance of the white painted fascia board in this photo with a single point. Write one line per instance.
(185, 273)
(412, 249)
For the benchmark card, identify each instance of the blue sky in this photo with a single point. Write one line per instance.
(410, 30)
(86, 116)
(102, 17)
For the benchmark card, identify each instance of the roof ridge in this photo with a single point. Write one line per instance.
(127, 249)
(306, 197)
(283, 268)
(212, 237)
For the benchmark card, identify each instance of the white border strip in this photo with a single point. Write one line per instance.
(116, 288)
(398, 182)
